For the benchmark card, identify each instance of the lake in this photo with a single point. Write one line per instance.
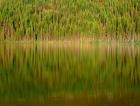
(65, 74)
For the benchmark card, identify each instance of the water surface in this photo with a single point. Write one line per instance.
(65, 74)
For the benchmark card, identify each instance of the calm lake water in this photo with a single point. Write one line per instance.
(64, 74)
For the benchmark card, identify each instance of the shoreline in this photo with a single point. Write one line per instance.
(73, 40)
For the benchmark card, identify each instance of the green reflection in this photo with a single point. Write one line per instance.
(34, 70)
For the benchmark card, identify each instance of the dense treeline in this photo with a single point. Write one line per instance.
(41, 19)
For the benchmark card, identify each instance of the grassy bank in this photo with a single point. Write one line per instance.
(47, 19)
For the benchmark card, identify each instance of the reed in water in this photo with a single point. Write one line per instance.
(47, 19)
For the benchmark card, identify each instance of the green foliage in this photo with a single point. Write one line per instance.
(61, 18)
